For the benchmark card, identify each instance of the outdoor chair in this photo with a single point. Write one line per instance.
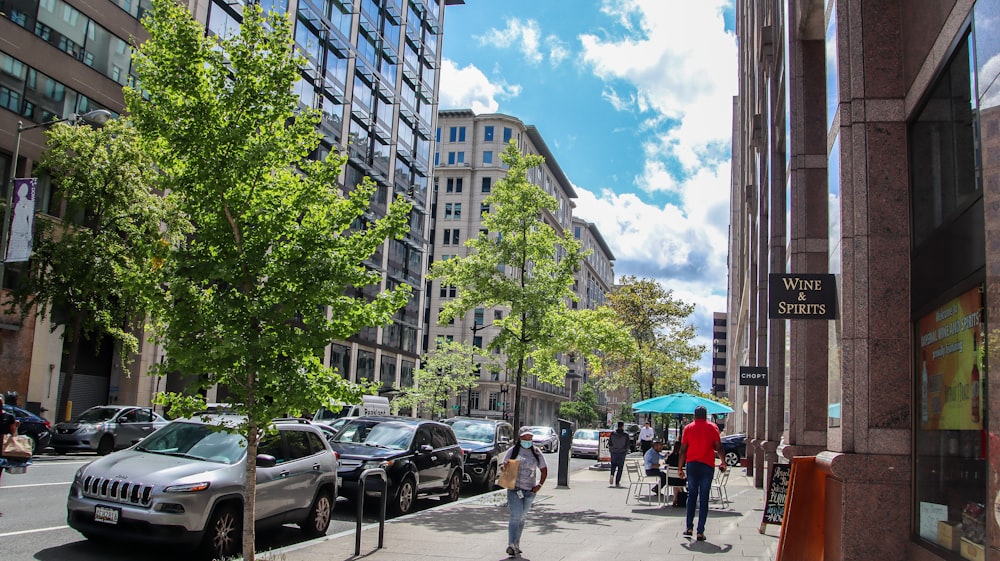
(639, 481)
(718, 489)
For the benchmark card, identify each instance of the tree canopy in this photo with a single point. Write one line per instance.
(274, 268)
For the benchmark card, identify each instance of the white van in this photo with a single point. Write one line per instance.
(370, 405)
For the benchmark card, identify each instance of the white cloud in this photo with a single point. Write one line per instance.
(469, 88)
(682, 65)
(524, 34)
(558, 51)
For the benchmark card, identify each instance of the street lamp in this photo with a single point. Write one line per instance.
(95, 118)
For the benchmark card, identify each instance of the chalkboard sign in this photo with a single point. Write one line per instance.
(777, 492)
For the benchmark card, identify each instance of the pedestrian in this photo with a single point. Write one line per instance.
(646, 438)
(618, 444)
(8, 425)
(651, 461)
(679, 485)
(519, 498)
(699, 444)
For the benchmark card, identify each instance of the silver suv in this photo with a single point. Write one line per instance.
(184, 485)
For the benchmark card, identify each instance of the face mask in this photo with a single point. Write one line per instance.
(526, 444)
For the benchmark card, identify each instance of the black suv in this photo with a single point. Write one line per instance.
(420, 457)
(483, 442)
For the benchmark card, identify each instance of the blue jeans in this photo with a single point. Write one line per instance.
(518, 511)
(617, 466)
(699, 478)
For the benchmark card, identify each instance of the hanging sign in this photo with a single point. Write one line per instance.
(801, 296)
(753, 375)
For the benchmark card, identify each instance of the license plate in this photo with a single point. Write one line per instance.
(107, 514)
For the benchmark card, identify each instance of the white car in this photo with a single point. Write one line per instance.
(585, 443)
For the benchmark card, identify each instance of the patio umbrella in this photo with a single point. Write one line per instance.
(679, 402)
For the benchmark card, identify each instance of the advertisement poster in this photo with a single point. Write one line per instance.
(950, 365)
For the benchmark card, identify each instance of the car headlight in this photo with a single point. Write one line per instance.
(188, 487)
(376, 464)
(481, 456)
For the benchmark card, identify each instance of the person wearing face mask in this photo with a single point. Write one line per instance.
(520, 498)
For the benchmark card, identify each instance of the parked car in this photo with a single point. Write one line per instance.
(106, 428)
(184, 485)
(545, 438)
(483, 442)
(32, 426)
(420, 457)
(633, 434)
(585, 442)
(735, 447)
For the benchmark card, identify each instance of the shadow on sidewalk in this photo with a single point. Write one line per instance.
(707, 547)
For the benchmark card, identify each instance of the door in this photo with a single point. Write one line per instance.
(133, 425)
(426, 460)
(269, 500)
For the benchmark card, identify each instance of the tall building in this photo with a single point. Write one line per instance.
(863, 266)
(373, 72)
(719, 378)
(467, 164)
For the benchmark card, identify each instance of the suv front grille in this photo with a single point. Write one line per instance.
(118, 491)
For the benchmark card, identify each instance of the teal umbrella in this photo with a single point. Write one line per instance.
(680, 402)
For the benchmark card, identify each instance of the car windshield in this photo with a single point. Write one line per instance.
(395, 436)
(97, 415)
(540, 431)
(585, 435)
(475, 432)
(196, 441)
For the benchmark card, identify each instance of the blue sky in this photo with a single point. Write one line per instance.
(634, 99)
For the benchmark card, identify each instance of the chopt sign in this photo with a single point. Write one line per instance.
(777, 492)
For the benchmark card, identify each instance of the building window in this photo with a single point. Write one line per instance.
(484, 209)
(458, 211)
(451, 158)
(488, 133)
(497, 315)
(473, 400)
(452, 134)
(507, 134)
(488, 157)
(461, 157)
(487, 184)
(453, 185)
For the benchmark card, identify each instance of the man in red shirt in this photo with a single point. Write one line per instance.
(699, 444)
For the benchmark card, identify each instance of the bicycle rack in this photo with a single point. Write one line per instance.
(362, 480)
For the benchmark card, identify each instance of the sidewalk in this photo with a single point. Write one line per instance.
(587, 521)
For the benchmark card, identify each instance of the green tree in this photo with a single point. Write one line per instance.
(582, 408)
(274, 269)
(524, 265)
(92, 271)
(446, 371)
(667, 358)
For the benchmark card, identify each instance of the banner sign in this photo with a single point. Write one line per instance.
(801, 296)
(753, 375)
(951, 365)
(22, 224)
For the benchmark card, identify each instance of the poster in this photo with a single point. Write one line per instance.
(949, 365)
(22, 220)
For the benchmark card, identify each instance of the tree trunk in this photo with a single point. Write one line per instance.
(517, 394)
(250, 492)
(70, 366)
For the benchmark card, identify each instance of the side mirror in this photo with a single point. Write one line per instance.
(504, 440)
(266, 461)
(425, 448)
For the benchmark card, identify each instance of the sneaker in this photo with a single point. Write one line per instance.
(701, 537)
(655, 490)
(611, 479)
(688, 532)
(511, 551)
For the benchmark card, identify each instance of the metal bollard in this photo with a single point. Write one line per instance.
(362, 479)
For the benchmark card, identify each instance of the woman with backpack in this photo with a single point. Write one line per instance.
(519, 498)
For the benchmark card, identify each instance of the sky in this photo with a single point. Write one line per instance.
(634, 98)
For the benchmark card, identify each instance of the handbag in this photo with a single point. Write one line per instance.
(17, 447)
(508, 475)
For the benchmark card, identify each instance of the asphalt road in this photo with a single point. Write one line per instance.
(33, 520)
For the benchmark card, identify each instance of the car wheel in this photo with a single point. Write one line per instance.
(406, 496)
(454, 488)
(732, 459)
(491, 478)
(106, 445)
(555, 447)
(318, 520)
(224, 534)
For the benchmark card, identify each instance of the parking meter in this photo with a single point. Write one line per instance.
(565, 446)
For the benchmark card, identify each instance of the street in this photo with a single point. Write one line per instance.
(33, 522)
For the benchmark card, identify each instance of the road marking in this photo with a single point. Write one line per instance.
(22, 532)
(37, 485)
